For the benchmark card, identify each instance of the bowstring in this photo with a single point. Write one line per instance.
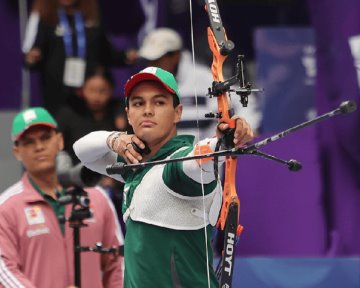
(198, 139)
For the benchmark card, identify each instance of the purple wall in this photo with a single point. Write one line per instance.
(11, 59)
(339, 141)
(282, 211)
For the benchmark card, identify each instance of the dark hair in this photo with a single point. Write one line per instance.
(103, 73)
(48, 10)
(171, 53)
(176, 100)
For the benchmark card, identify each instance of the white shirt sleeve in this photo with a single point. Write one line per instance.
(31, 31)
(94, 153)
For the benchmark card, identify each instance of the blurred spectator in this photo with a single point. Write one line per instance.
(163, 48)
(65, 40)
(97, 109)
(36, 248)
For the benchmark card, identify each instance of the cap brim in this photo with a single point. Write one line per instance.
(17, 137)
(143, 76)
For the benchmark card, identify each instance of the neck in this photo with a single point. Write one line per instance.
(156, 146)
(47, 182)
(98, 115)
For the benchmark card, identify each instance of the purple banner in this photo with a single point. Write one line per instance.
(11, 58)
(337, 24)
(286, 70)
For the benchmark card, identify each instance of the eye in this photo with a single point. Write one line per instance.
(160, 102)
(46, 136)
(26, 142)
(136, 103)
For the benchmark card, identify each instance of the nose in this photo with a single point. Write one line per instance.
(39, 145)
(149, 109)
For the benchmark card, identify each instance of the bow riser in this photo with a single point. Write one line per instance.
(228, 220)
(217, 72)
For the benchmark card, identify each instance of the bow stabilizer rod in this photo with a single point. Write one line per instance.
(345, 107)
(252, 149)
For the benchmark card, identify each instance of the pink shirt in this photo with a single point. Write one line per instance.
(34, 252)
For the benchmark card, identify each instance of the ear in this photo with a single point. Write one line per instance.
(16, 153)
(127, 114)
(177, 57)
(60, 141)
(178, 113)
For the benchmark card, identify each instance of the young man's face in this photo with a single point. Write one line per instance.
(37, 149)
(151, 113)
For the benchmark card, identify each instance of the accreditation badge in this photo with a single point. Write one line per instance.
(34, 215)
(74, 72)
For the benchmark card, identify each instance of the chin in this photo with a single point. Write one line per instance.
(144, 136)
(44, 168)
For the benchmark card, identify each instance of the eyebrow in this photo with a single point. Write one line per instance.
(43, 133)
(135, 97)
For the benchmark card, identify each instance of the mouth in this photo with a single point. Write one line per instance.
(147, 124)
(41, 158)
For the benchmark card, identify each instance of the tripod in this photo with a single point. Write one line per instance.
(80, 211)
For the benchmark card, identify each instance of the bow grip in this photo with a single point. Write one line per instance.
(227, 141)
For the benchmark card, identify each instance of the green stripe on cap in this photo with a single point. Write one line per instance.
(28, 118)
(156, 74)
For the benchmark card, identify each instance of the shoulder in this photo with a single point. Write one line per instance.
(12, 193)
(67, 114)
(98, 195)
(66, 111)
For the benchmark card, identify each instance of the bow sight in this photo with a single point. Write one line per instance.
(244, 90)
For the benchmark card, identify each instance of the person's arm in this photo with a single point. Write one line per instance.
(94, 152)
(34, 41)
(10, 274)
(242, 134)
(192, 168)
(112, 266)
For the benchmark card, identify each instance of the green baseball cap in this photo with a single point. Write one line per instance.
(28, 118)
(156, 74)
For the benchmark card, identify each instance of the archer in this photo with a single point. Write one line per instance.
(164, 205)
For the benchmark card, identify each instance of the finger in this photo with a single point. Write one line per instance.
(222, 126)
(240, 129)
(220, 129)
(246, 137)
(134, 151)
(138, 142)
(243, 133)
(131, 158)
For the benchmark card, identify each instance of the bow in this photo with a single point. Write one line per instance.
(228, 220)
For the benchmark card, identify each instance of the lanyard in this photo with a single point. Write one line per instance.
(80, 34)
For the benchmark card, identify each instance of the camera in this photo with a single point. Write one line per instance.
(78, 175)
